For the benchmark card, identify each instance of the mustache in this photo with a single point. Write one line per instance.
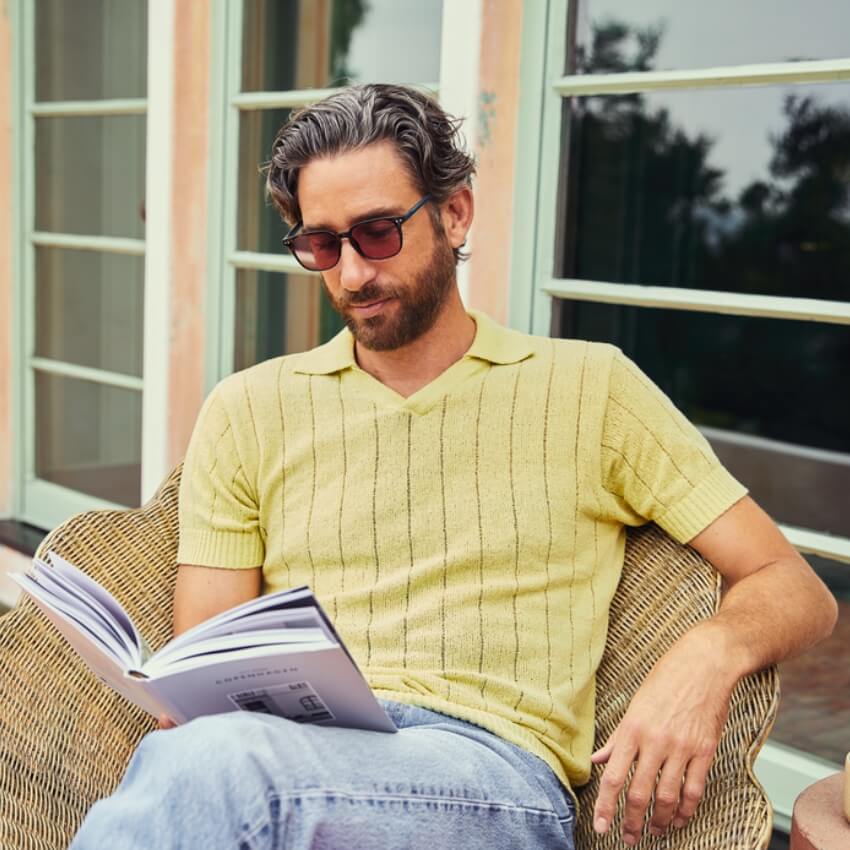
(365, 295)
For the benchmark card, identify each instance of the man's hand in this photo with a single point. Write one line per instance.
(165, 722)
(671, 730)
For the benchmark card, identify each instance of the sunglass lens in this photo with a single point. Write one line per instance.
(377, 239)
(317, 251)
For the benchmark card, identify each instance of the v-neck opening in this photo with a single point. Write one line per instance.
(426, 397)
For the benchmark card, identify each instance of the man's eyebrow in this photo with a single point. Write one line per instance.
(375, 212)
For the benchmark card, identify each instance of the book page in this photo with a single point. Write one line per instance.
(295, 618)
(95, 634)
(95, 654)
(104, 598)
(165, 662)
(282, 600)
(78, 601)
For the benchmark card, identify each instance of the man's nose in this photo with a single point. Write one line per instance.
(354, 270)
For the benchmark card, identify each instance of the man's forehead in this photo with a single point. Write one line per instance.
(345, 187)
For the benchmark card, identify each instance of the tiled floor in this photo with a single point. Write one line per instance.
(814, 712)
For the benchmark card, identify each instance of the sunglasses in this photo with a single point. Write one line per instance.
(374, 239)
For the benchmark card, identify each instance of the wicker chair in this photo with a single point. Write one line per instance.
(65, 738)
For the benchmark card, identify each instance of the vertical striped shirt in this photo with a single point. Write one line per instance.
(467, 540)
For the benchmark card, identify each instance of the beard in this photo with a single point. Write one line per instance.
(419, 303)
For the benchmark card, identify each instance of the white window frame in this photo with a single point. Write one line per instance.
(460, 37)
(785, 772)
(36, 501)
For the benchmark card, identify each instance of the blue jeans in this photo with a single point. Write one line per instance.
(246, 781)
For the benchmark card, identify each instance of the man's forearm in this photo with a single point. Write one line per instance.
(773, 614)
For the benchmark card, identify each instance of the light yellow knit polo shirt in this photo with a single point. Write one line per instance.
(467, 540)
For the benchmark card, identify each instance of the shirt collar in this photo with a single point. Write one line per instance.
(497, 344)
(492, 342)
(336, 355)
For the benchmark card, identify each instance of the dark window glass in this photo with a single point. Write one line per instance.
(90, 49)
(90, 175)
(770, 394)
(287, 44)
(89, 437)
(814, 711)
(654, 35)
(744, 190)
(280, 314)
(259, 226)
(89, 308)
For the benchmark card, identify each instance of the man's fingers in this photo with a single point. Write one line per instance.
(639, 795)
(604, 752)
(667, 795)
(613, 780)
(165, 722)
(693, 789)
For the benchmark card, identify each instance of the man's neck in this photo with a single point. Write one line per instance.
(415, 365)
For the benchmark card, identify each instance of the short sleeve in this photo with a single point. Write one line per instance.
(218, 510)
(655, 464)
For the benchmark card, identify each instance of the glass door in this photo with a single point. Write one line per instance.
(83, 209)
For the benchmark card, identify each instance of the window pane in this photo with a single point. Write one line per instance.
(621, 35)
(814, 711)
(745, 190)
(259, 227)
(297, 45)
(280, 314)
(90, 49)
(90, 175)
(770, 394)
(89, 437)
(89, 308)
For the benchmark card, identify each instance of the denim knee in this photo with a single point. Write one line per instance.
(202, 753)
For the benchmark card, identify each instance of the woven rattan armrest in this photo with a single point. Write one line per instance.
(65, 738)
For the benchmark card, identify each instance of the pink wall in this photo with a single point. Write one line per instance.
(190, 173)
(5, 260)
(498, 100)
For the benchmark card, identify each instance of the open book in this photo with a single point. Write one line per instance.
(277, 654)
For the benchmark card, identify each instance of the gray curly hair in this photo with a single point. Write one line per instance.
(426, 137)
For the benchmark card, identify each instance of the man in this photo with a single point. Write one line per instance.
(456, 495)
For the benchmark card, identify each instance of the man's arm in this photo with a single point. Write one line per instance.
(774, 607)
(203, 592)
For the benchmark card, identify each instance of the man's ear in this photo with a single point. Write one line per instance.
(456, 214)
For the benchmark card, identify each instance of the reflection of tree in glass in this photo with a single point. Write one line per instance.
(648, 190)
(647, 206)
(347, 16)
(609, 41)
(794, 234)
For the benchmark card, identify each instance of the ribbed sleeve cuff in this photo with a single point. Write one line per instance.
(712, 497)
(220, 549)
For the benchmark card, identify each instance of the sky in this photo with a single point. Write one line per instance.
(398, 42)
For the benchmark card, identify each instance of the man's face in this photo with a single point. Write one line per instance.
(385, 303)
